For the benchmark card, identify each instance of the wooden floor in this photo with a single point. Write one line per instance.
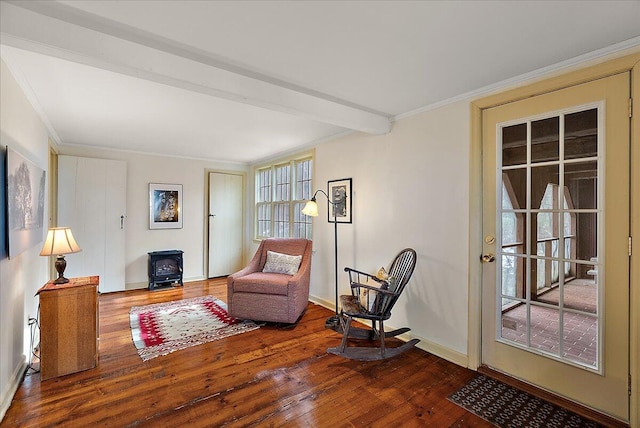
(272, 376)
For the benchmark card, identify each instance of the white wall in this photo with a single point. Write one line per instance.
(410, 190)
(20, 277)
(143, 169)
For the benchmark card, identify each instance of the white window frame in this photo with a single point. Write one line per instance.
(278, 204)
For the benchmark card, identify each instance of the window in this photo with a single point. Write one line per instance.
(282, 190)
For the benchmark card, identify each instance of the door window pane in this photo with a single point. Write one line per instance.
(514, 145)
(581, 134)
(512, 275)
(545, 141)
(515, 180)
(586, 239)
(544, 332)
(541, 177)
(581, 179)
(514, 326)
(580, 338)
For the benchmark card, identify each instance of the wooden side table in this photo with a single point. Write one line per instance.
(68, 326)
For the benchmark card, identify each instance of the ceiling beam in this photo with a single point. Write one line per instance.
(61, 31)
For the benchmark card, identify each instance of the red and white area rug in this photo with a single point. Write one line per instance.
(162, 328)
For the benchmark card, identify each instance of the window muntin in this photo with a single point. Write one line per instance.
(282, 190)
(548, 216)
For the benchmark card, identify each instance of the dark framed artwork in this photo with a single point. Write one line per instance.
(341, 197)
(25, 202)
(165, 206)
(4, 241)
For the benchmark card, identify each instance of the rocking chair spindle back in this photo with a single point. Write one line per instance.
(386, 295)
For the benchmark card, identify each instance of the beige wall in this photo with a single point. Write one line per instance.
(410, 190)
(22, 130)
(144, 169)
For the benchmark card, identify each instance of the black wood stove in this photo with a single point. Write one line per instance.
(165, 268)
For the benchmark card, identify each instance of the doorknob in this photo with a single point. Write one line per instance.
(487, 258)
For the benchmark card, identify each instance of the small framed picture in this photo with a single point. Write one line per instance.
(165, 206)
(341, 199)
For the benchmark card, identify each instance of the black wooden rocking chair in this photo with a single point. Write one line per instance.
(374, 301)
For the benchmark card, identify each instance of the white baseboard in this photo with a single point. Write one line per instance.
(136, 285)
(14, 383)
(424, 344)
(443, 352)
(322, 302)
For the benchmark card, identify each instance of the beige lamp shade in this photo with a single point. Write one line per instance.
(311, 208)
(59, 241)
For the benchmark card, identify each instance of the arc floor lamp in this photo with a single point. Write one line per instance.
(311, 209)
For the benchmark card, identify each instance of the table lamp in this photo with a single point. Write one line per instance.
(60, 241)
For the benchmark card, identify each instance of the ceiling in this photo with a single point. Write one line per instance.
(242, 81)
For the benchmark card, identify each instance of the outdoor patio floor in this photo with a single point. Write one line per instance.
(580, 335)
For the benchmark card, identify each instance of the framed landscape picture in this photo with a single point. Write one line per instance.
(25, 202)
(165, 206)
(341, 196)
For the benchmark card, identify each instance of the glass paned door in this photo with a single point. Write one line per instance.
(555, 301)
(558, 296)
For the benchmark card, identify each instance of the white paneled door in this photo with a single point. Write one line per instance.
(92, 201)
(225, 223)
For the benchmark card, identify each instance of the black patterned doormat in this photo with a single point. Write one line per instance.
(506, 406)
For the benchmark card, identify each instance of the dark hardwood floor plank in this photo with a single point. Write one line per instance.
(278, 375)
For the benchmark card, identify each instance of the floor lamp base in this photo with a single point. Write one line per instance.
(333, 323)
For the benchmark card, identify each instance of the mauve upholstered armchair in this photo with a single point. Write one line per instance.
(267, 296)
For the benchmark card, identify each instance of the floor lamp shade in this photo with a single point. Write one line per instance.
(60, 241)
(311, 209)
